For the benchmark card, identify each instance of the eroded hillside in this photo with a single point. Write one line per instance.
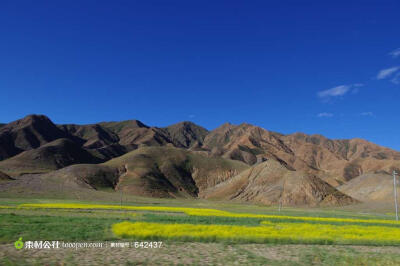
(186, 160)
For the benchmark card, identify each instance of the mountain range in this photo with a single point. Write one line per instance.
(232, 162)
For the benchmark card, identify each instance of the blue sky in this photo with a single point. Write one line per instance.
(327, 67)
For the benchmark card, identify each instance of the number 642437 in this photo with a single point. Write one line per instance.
(147, 244)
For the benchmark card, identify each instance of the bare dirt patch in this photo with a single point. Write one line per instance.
(181, 253)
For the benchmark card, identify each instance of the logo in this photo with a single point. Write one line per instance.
(19, 243)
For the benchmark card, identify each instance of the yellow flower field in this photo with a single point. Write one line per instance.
(261, 228)
(266, 233)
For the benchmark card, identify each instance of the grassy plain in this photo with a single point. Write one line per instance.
(63, 220)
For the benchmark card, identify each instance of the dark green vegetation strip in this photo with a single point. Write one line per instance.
(279, 220)
(159, 218)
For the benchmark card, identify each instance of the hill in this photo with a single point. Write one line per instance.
(185, 160)
(113, 139)
(336, 161)
(250, 144)
(28, 133)
(51, 156)
(171, 172)
(273, 183)
(134, 132)
(186, 134)
(342, 159)
(147, 171)
(92, 136)
(370, 187)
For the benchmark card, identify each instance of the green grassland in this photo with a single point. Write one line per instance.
(96, 225)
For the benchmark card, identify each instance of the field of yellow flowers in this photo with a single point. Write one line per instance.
(212, 225)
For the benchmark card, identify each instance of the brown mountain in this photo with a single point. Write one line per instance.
(271, 182)
(146, 171)
(112, 139)
(370, 187)
(250, 144)
(35, 144)
(171, 172)
(186, 134)
(51, 156)
(97, 139)
(342, 160)
(93, 136)
(26, 134)
(101, 141)
(134, 132)
(336, 161)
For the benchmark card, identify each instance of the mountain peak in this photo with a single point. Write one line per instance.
(27, 133)
(186, 134)
(28, 120)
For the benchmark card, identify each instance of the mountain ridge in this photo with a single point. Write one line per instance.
(37, 142)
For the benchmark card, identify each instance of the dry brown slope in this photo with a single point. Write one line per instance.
(76, 182)
(172, 172)
(186, 134)
(113, 139)
(134, 132)
(93, 136)
(250, 144)
(27, 133)
(272, 183)
(147, 171)
(336, 161)
(370, 187)
(342, 159)
(51, 156)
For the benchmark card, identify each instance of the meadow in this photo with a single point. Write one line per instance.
(205, 224)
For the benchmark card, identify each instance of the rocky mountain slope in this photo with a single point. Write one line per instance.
(35, 144)
(271, 182)
(370, 187)
(335, 161)
(169, 171)
(342, 160)
(26, 134)
(186, 134)
(50, 156)
(146, 171)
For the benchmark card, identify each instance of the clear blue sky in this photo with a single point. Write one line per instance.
(327, 67)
